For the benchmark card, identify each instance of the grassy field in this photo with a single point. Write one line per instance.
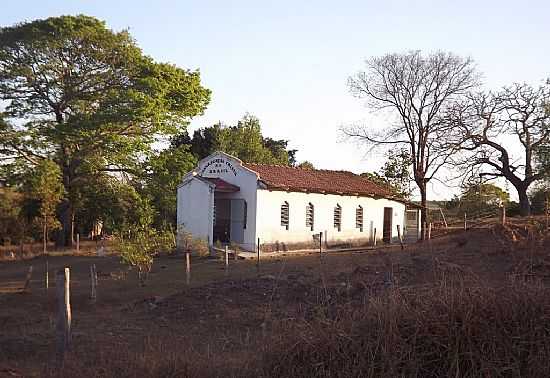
(470, 303)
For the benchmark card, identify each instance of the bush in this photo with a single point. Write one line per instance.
(142, 246)
(187, 242)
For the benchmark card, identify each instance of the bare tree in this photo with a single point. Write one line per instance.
(416, 89)
(490, 125)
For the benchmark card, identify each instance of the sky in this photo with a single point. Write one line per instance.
(287, 62)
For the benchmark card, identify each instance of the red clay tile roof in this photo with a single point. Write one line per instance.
(279, 177)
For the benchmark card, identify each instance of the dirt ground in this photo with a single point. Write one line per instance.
(223, 312)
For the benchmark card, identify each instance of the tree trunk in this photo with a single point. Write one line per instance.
(524, 204)
(423, 210)
(66, 218)
(45, 236)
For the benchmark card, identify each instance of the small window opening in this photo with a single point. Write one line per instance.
(310, 216)
(338, 217)
(285, 215)
(359, 218)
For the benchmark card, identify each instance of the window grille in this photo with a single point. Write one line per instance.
(285, 209)
(338, 217)
(359, 218)
(310, 216)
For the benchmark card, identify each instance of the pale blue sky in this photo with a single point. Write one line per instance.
(287, 62)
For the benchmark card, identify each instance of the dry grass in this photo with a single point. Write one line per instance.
(451, 329)
(475, 304)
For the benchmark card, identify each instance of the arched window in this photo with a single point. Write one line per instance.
(359, 218)
(309, 216)
(338, 217)
(285, 214)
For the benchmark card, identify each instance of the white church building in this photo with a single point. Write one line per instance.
(285, 207)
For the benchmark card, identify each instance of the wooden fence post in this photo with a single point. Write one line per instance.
(258, 261)
(320, 244)
(226, 260)
(503, 215)
(47, 273)
(187, 267)
(63, 326)
(547, 212)
(429, 230)
(374, 241)
(77, 243)
(93, 283)
(399, 236)
(27, 286)
(465, 228)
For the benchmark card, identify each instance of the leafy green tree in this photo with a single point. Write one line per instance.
(118, 205)
(44, 185)
(164, 173)
(482, 197)
(540, 197)
(87, 98)
(397, 171)
(395, 174)
(244, 140)
(13, 223)
(306, 165)
(280, 151)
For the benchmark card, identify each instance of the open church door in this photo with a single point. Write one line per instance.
(238, 220)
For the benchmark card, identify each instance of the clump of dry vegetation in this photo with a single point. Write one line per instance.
(187, 242)
(442, 331)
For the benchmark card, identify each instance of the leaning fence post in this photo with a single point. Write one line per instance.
(63, 326)
(374, 241)
(187, 267)
(27, 286)
(93, 283)
(399, 236)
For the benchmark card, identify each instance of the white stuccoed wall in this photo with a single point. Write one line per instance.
(195, 200)
(268, 222)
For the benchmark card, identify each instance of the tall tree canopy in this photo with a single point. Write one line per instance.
(87, 98)
(504, 131)
(395, 174)
(479, 197)
(244, 140)
(415, 89)
(164, 172)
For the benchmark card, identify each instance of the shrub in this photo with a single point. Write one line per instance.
(187, 242)
(142, 246)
